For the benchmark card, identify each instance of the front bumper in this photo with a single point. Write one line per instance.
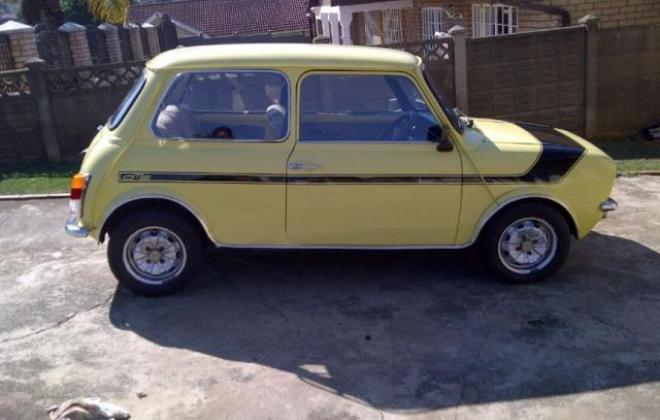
(608, 205)
(74, 228)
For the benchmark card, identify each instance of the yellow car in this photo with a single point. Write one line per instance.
(320, 146)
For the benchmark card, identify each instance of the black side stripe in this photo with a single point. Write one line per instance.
(558, 155)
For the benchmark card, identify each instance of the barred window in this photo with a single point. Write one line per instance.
(494, 19)
(371, 29)
(432, 21)
(393, 26)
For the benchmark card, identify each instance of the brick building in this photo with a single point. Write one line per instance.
(389, 22)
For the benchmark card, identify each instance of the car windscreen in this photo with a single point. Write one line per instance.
(128, 101)
(440, 97)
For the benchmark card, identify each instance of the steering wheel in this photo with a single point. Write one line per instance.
(397, 129)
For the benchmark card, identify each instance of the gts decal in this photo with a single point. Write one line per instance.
(134, 177)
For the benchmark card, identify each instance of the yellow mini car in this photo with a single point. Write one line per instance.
(320, 146)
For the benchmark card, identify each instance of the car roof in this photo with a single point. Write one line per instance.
(284, 55)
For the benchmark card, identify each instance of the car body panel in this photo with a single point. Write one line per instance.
(239, 190)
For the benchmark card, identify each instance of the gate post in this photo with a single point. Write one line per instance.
(590, 24)
(39, 90)
(459, 35)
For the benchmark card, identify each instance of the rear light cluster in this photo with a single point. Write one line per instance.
(79, 183)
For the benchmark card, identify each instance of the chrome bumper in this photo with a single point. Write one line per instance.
(75, 229)
(608, 205)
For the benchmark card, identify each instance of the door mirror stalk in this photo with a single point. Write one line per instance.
(439, 136)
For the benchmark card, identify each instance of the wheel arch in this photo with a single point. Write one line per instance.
(525, 199)
(128, 206)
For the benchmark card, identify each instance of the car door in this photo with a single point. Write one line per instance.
(363, 171)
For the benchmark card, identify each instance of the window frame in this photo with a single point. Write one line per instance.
(363, 73)
(170, 86)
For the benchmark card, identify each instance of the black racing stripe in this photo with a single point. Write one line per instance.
(376, 179)
(558, 155)
(160, 177)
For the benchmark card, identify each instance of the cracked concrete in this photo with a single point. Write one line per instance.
(336, 335)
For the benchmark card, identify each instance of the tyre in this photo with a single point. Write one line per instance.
(526, 243)
(155, 252)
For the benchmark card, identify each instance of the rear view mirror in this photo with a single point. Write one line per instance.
(436, 134)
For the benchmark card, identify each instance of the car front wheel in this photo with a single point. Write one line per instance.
(527, 242)
(154, 253)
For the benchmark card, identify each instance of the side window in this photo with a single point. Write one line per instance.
(354, 107)
(229, 105)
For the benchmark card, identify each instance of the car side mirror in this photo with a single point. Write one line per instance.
(436, 134)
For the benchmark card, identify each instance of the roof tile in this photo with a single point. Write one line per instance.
(227, 17)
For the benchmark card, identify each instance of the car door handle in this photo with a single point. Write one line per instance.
(297, 166)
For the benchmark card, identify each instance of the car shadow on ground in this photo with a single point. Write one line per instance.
(420, 330)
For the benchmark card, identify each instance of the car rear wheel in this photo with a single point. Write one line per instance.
(527, 242)
(154, 253)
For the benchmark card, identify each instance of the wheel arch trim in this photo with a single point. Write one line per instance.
(153, 196)
(501, 205)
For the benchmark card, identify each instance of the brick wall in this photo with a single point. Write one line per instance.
(613, 13)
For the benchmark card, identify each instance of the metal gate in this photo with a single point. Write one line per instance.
(438, 57)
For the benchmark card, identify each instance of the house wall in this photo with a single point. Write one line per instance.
(412, 20)
(613, 13)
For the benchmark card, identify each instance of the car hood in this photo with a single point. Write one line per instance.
(501, 132)
(520, 151)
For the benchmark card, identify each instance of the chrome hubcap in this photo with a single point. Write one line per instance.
(154, 255)
(527, 245)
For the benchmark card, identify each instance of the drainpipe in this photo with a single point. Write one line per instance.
(311, 18)
(553, 10)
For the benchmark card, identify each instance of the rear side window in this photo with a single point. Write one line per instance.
(363, 107)
(127, 103)
(225, 105)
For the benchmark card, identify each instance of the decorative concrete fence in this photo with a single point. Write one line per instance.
(596, 82)
(51, 114)
(73, 45)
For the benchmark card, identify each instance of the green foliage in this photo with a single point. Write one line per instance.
(36, 178)
(113, 11)
(633, 155)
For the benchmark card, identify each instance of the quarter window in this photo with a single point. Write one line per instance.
(225, 105)
(340, 107)
(127, 102)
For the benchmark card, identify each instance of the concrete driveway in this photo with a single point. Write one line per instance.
(336, 335)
